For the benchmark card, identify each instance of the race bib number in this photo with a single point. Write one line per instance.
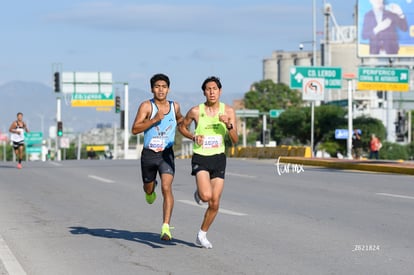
(210, 142)
(156, 144)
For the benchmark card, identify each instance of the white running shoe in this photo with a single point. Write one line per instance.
(202, 241)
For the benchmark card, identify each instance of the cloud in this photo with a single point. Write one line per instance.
(206, 55)
(194, 18)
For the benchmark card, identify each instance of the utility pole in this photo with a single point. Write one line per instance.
(126, 122)
(313, 64)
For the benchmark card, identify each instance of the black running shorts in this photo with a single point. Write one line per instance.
(215, 165)
(153, 162)
(17, 144)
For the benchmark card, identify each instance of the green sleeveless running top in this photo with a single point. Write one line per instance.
(213, 131)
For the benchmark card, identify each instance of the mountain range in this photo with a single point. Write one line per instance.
(38, 103)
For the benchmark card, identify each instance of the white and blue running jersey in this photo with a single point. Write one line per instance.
(161, 135)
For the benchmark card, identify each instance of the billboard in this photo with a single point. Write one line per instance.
(385, 28)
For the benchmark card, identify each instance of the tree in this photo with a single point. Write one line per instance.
(293, 126)
(328, 118)
(295, 123)
(265, 96)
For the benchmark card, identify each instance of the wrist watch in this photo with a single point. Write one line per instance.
(230, 127)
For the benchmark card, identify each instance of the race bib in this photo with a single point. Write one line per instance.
(156, 144)
(210, 142)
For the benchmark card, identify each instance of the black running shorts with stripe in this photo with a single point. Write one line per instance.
(215, 165)
(153, 162)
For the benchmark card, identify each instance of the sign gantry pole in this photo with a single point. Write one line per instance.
(350, 78)
(350, 118)
(314, 64)
(126, 122)
(58, 118)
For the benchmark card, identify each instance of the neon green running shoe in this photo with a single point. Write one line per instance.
(151, 198)
(165, 232)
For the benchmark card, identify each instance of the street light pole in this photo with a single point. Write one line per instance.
(42, 128)
(313, 64)
(126, 121)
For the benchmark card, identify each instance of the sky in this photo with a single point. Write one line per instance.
(188, 40)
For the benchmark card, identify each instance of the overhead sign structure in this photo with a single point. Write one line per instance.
(247, 113)
(89, 89)
(313, 89)
(383, 79)
(332, 76)
(87, 82)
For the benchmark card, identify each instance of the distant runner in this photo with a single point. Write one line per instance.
(17, 130)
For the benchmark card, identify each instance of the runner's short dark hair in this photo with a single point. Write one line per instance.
(157, 77)
(211, 79)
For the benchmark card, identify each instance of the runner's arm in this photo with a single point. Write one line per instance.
(142, 121)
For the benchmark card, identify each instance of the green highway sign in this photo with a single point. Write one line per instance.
(33, 149)
(332, 76)
(275, 113)
(383, 79)
(93, 100)
(33, 138)
(33, 142)
(92, 96)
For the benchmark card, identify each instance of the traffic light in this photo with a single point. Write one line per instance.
(117, 104)
(60, 128)
(57, 82)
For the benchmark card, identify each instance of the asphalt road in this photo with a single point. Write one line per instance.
(90, 217)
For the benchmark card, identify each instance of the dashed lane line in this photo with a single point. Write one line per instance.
(100, 179)
(240, 175)
(396, 196)
(10, 263)
(221, 210)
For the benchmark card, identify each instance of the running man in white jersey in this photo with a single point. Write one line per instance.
(158, 119)
(17, 130)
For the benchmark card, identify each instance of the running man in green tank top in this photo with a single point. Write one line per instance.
(213, 122)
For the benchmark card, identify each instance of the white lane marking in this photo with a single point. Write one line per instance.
(221, 210)
(395, 196)
(55, 163)
(239, 175)
(9, 261)
(100, 179)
